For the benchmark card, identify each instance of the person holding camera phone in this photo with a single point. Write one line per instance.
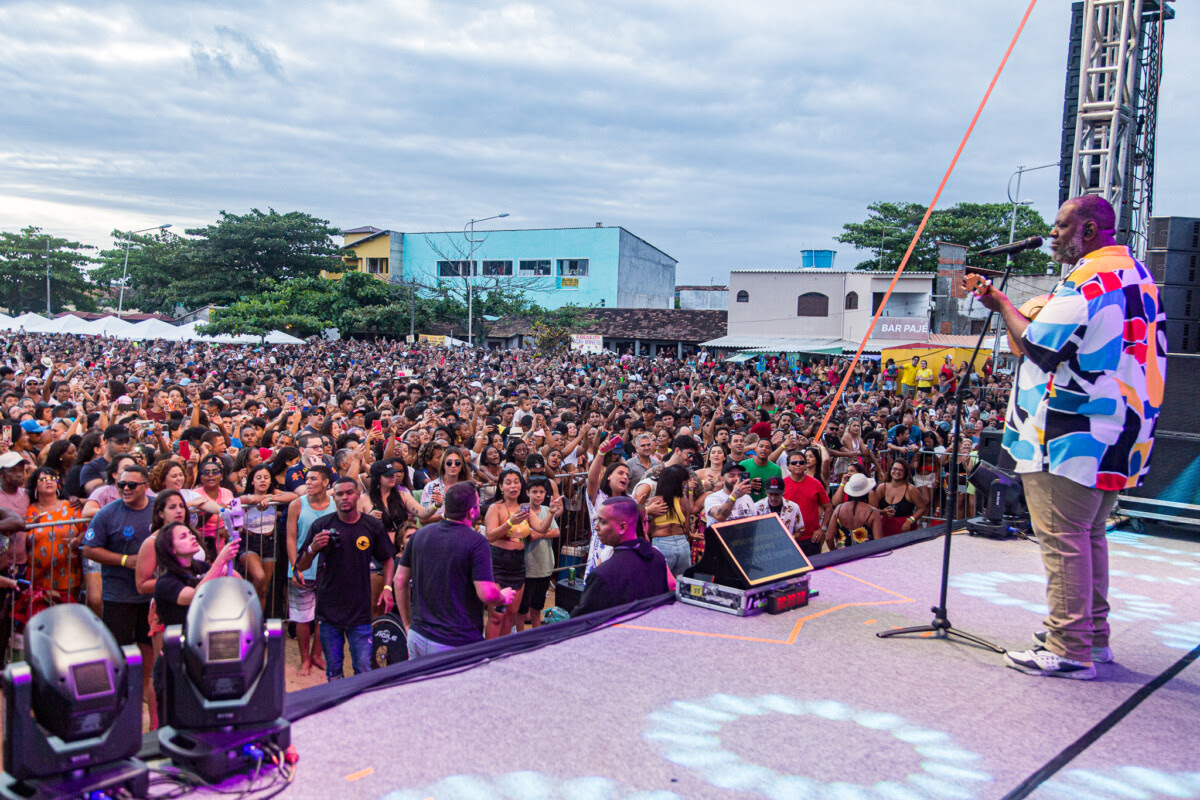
(347, 541)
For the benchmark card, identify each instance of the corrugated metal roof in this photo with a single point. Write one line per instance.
(835, 271)
(795, 344)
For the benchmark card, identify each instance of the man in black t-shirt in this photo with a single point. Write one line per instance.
(449, 565)
(347, 541)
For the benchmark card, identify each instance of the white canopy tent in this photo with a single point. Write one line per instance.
(151, 328)
(279, 337)
(30, 322)
(68, 323)
(105, 326)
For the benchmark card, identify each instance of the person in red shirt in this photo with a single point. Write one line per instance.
(807, 492)
(947, 379)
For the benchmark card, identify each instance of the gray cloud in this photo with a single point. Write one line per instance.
(235, 54)
(726, 134)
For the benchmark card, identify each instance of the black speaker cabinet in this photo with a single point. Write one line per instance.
(1180, 412)
(1174, 469)
(1180, 302)
(1174, 233)
(1183, 336)
(1175, 267)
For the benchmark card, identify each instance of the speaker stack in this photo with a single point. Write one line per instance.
(1173, 258)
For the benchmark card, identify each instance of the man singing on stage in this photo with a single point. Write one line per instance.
(1080, 424)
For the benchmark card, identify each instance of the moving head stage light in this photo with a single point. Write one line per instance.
(1004, 513)
(73, 713)
(224, 679)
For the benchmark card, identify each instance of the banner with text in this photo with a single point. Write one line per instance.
(912, 328)
(587, 342)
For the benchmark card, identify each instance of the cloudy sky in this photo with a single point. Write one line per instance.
(729, 134)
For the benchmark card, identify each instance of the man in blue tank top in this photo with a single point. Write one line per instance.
(302, 597)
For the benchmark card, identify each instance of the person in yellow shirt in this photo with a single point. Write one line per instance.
(908, 378)
(924, 379)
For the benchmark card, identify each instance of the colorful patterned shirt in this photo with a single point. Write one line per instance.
(1088, 392)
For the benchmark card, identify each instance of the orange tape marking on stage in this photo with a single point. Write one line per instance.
(791, 639)
(362, 773)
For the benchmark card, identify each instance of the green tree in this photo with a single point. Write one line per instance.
(552, 328)
(355, 303)
(243, 255)
(156, 263)
(23, 261)
(978, 226)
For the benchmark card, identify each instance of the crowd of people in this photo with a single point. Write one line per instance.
(438, 482)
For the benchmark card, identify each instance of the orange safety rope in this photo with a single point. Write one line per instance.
(924, 220)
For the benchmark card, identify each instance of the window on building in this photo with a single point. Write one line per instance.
(572, 267)
(456, 269)
(377, 266)
(812, 304)
(497, 268)
(743, 296)
(537, 267)
(852, 301)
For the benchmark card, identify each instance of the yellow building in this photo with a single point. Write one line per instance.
(373, 251)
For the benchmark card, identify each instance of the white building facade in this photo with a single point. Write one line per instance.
(828, 304)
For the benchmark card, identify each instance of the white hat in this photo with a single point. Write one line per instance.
(10, 459)
(859, 485)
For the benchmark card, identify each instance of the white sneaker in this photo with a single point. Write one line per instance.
(1100, 655)
(1042, 662)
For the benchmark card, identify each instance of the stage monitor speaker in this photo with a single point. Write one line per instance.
(1180, 411)
(1183, 336)
(991, 451)
(1174, 470)
(1174, 233)
(1174, 267)
(747, 552)
(1180, 302)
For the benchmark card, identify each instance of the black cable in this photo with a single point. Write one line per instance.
(1027, 786)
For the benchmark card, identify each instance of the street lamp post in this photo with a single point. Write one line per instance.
(1013, 197)
(47, 276)
(125, 270)
(470, 270)
(882, 234)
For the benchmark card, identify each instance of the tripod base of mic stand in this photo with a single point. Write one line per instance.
(942, 629)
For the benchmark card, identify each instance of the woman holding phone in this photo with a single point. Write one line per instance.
(507, 524)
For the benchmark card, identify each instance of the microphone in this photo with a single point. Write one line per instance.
(1031, 243)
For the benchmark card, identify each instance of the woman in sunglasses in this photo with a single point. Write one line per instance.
(454, 468)
(211, 531)
(55, 565)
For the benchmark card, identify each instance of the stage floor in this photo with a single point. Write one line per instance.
(690, 703)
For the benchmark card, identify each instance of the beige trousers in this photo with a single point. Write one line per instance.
(1069, 521)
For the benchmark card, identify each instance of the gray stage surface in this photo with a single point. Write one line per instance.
(689, 703)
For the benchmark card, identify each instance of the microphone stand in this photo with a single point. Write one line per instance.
(940, 627)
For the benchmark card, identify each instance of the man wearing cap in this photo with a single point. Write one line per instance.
(787, 511)
(732, 501)
(112, 540)
(34, 430)
(116, 442)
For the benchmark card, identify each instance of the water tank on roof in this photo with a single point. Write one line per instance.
(821, 259)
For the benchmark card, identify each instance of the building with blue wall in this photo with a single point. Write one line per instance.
(600, 266)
